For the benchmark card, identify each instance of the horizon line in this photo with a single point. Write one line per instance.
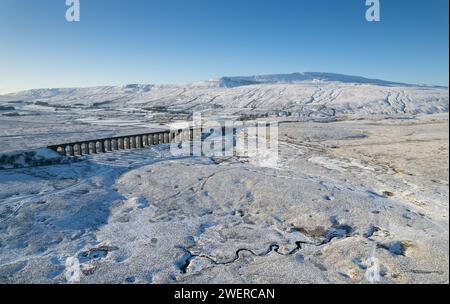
(218, 78)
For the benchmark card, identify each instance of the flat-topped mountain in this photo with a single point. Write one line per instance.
(299, 94)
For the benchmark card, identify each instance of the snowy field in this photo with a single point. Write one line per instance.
(362, 175)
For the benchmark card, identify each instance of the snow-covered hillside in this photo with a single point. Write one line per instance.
(306, 94)
(316, 77)
(350, 185)
(340, 195)
(36, 118)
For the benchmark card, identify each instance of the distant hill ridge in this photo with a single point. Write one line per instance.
(232, 82)
(237, 81)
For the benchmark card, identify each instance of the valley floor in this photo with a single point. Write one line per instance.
(345, 198)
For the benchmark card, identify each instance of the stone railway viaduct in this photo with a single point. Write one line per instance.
(127, 142)
(138, 141)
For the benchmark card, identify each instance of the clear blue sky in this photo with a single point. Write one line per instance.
(178, 41)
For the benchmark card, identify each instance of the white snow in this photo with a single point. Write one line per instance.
(35, 157)
(299, 94)
(26, 117)
(362, 172)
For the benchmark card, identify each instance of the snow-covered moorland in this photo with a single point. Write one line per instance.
(362, 176)
(26, 117)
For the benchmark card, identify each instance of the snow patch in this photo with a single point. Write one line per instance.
(37, 157)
